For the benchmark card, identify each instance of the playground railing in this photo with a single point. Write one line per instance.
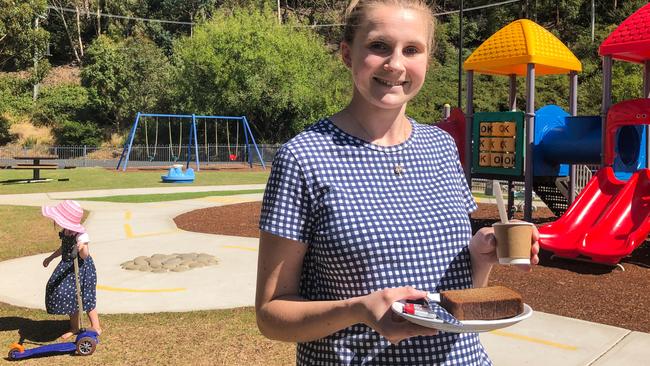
(107, 156)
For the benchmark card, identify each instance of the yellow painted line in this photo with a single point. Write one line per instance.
(127, 215)
(534, 340)
(239, 247)
(121, 289)
(129, 232)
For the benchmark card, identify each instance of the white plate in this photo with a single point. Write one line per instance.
(469, 326)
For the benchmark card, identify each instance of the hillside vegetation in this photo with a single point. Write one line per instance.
(238, 58)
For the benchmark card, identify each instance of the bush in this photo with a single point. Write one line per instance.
(281, 77)
(5, 135)
(78, 133)
(61, 103)
(15, 95)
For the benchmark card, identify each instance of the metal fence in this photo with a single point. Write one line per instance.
(93, 156)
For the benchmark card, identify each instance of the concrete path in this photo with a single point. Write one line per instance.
(120, 232)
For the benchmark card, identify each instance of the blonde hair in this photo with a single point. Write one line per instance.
(356, 12)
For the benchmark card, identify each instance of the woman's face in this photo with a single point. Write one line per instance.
(388, 57)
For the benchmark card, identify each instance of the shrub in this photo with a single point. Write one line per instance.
(61, 103)
(5, 135)
(15, 95)
(78, 133)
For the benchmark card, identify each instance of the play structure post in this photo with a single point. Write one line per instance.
(128, 147)
(469, 118)
(196, 145)
(530, 138)
(512, 95)
(446, 111)
(573, 110)
(646, 79)
(606, 102)
(248, 130)
(247, 146)
(646, 94)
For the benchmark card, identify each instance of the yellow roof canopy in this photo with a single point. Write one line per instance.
(519, 43)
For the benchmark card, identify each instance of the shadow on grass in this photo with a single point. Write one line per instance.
(37, 331)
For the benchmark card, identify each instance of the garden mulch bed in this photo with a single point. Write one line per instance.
(579, 290)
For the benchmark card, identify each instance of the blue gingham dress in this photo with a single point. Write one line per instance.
(367, 228)
(61, 288)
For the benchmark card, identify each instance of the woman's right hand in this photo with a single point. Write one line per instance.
(380, 317)
(46, 261)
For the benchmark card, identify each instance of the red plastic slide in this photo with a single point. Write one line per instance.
(624, 226)
(564, 237)
(606, 222)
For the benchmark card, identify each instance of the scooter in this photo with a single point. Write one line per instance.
(84, 344)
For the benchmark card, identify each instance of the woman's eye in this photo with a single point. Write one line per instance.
(411, 51)
(378, 46)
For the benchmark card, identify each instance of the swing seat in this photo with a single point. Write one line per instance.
(232, 157)
(176, 175)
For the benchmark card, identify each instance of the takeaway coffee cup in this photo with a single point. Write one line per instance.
(513, 241)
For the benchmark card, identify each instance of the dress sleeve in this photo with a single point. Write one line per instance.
(83, 238)
(286, 206)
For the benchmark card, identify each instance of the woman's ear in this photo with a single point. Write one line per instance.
(345, 54)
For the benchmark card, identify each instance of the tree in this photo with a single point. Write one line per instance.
(19, 39)
(281, 77)
(124, 77)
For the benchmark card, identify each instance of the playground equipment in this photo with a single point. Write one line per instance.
(176, 175)
(610, 217)
(504, 142)
(241, 151)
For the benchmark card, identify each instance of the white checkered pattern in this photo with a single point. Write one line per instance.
(367, 229)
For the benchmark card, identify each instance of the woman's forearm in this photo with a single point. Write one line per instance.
(294, 319)
(480, 272)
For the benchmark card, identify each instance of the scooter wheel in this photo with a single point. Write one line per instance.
(86, 346)
(14, 349)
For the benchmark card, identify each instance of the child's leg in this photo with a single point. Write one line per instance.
(94, 321)
(74, 325)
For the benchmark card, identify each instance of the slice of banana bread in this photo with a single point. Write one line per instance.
(485, 303)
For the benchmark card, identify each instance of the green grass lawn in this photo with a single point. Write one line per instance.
(168, 196)
(217, 337)
(80, 179)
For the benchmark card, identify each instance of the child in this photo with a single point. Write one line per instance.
(61, 290)
(367, 207)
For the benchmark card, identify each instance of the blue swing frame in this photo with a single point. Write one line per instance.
(193, 141)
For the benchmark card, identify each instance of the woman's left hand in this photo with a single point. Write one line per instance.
(483, 248)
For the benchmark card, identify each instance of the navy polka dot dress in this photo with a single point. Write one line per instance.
(61, 290)
(368, 228)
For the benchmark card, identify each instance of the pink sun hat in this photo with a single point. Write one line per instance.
(67, 214)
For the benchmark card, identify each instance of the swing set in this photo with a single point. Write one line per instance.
(220, 125)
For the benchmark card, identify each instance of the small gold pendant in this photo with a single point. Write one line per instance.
(398, 169)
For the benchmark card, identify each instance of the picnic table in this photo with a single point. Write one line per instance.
(36, 165)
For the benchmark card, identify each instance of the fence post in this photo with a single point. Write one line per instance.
(84, 156)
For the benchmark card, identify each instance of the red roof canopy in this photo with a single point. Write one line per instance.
(630, 41)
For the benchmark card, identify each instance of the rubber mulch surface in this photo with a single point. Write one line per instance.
(587, 291)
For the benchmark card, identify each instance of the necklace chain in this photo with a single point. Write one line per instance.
(398, 169)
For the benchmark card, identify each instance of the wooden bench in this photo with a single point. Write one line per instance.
(39, 165)
(36, 169)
